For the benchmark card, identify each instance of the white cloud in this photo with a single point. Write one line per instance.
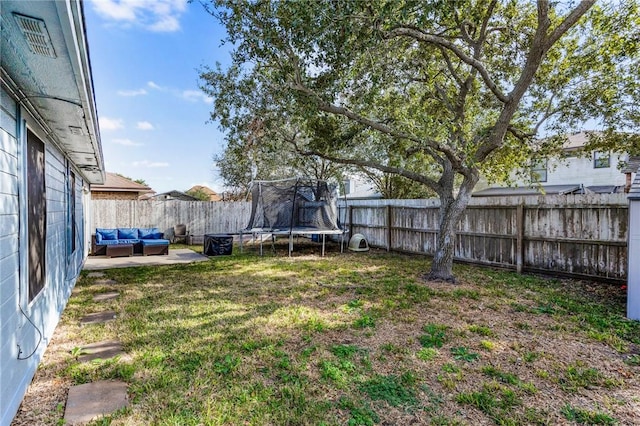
(137, 92)
(167, 24)
(153, 15)
(149, 164)
(155, 86)
(144, 125)
(126, 142)
(115, 10)
(187, 95)
(107, 123)
(195, 96)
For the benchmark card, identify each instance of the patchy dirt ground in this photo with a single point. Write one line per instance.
(522, 346)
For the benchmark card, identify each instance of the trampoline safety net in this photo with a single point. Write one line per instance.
(297, 205)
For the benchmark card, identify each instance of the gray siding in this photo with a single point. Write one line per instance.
(61, 270)
(9, 259)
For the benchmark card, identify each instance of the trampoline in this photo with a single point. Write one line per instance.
(293, 207)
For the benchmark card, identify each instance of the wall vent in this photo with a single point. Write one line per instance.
(76, 130)
(36, 34)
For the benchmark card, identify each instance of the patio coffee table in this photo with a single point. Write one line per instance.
(118, 250)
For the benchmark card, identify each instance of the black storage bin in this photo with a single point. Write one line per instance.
(218, 244)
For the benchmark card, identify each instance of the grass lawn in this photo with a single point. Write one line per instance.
(350, 339)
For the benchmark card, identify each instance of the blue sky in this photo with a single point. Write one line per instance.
(154, 120)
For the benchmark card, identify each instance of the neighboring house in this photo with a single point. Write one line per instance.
(598, 172)
(50, 153)
(359, 189)
(173, 195)
(116, 187)
(213, 196)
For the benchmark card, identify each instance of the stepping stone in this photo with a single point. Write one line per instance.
(105, 282)
(103, 297)
(94, 400)
(95, 275)
(103, 350)
(98, 317)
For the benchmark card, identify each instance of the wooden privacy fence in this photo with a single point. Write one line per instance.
(575, 235)
(201, 217)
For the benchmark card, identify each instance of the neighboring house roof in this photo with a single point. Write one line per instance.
(634, 192)
(576, 140)
(603, 189)
(213, 195)
(632, 165)
(117, 183)
(529, 190)
(174, 195)
(45, 64)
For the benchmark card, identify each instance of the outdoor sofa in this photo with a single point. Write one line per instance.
(128, 241)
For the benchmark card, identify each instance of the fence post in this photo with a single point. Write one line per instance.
(519, 238)
(388, 227)
(350, 222)
(633, 251)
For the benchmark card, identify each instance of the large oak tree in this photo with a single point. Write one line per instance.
(438, 92)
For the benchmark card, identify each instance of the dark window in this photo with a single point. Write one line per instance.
(539, 171)
(37, 214)
(601, 160)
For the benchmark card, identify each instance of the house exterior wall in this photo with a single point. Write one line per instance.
(114, 195)
(26, 327)
(582, 170)
(579, 170)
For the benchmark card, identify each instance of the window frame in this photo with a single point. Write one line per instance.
(599, 158)
(539, 170)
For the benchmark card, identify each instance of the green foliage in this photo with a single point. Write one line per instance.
(427, 354)
(586, 417)
(344, 351)
(482, 330)
(226, 364)
(434, 336)
(397, 391)
(381, 89)
(365, 321)
(504, 377)
(495, 401)
(462, 354)
(140, 181)
(361, 415)
(578, 375)
(633, 360)
(199, 194)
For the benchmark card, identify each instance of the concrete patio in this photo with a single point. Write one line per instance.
(175, 256)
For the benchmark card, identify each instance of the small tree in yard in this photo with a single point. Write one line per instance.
(437, 92)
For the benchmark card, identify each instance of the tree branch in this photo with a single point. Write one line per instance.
(416, 177)
(334, 109)
(568, 22)
(421, 36)
(538, 49)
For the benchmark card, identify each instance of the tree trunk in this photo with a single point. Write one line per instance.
(442, 263)
(451, 209)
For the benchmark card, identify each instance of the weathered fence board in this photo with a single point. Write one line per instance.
(201, 217)
(580, 235)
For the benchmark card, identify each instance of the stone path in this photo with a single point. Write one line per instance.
(91, 401)
(98, 318)
(101, 350)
